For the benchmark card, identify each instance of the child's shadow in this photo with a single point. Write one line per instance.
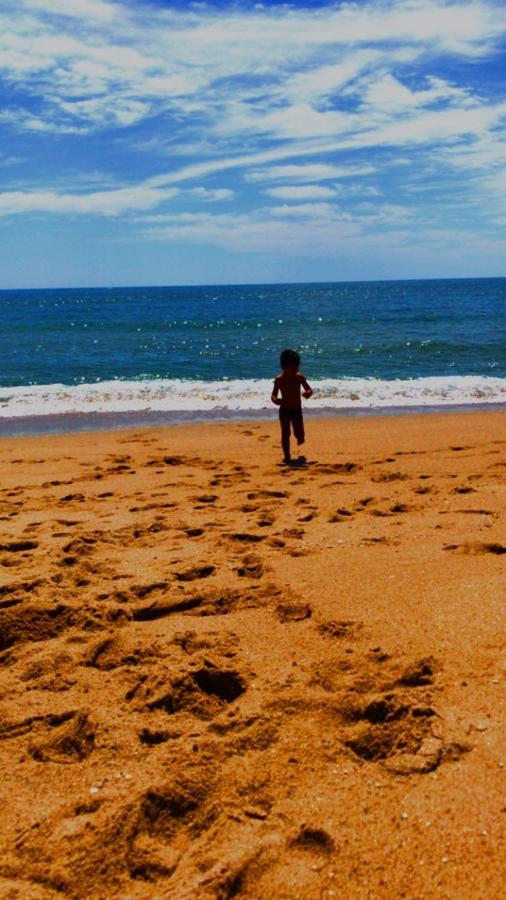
(300, 463)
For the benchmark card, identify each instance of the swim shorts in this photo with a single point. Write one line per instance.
(294, 418)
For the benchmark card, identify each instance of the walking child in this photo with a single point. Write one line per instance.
(289, 383)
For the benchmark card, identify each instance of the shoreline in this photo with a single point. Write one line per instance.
(76, 423)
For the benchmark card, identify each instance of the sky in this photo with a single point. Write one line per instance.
(152, 143)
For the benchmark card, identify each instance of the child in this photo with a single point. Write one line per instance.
(289, 383)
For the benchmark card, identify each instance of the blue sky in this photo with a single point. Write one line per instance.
(177, 143)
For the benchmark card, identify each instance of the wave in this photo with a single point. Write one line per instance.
(242, 395)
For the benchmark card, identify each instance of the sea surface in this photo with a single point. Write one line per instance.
(139, 354)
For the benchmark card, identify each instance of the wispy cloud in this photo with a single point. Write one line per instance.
(212, 195)
(94, 10)
(105, 203)
(306, 173)
(301, 192)
(310, 228)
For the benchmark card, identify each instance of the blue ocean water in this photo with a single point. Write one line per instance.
(194, 348)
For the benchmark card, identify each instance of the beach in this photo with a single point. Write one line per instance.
(223, 677)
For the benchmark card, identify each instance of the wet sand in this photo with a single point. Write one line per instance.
(224, 678)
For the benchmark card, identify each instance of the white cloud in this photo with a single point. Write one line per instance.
(301, 192)
(319, 82)
(304, 210)
(362, 190)
(313, 229)
(389, 94)
(433, 127)
(10, 160)
(259, 233)
(306, 173)
(426, 128)
(25, 121)
(212, 194)
(106, 203)
(388, 213)
(106, 110)
(487, 151)
(96, 10)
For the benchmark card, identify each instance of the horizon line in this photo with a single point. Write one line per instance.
(121, 287)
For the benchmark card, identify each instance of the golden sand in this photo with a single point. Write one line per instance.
(224, 678)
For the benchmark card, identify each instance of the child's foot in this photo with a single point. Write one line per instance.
(287, 461)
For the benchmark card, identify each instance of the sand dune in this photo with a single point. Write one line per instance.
(220, 677)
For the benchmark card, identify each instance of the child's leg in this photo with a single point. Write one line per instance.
(284, 422)
(298, 429)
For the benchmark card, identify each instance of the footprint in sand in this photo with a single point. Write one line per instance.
(375, 541)
(342, 515)
(153, 736)
(477, 547)
(72, 741)
(195, 573)
(293, 612)
(160, 609)
(202, 690)
(251, 567)
(18, 546)
(266, 519)
(258, 495)
(276, 542)
(390, 476)
(361, 504)
(400, 508)
(47, 484)
(33, 623)
(341, 628)
(394, 730)
(205, 499)
(245, 538)
(308, 517)
(293, 533)
(476, 512)
(167, 461)
(312, 840)
(332, 468)
(21, 587)
(149, 506)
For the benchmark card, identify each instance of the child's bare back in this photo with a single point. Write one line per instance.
(292, 385)
(289, 386)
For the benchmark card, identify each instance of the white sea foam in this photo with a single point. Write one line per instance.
(241, 395)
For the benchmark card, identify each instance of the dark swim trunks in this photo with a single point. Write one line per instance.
(294, 418)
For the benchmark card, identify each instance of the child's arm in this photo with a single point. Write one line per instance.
(308, 390)
(275, 391)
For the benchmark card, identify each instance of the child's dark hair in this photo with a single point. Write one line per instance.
(289, 358)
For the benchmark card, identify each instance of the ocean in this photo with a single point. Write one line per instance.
(77, 358)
